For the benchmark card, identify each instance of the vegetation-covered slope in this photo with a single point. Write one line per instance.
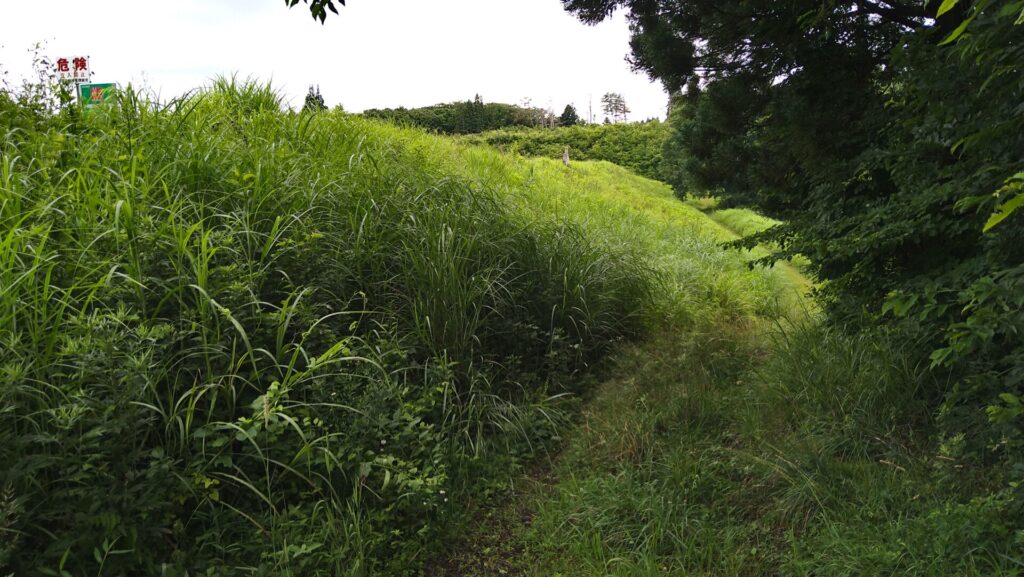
(248, 341)
(637, 146)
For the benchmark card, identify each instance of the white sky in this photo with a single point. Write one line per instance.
(375, 54)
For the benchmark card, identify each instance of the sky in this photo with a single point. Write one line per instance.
(375, 54)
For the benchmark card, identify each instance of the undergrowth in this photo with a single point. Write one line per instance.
(241, 340)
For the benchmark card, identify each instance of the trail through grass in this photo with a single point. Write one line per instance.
(736, 446)
(736, 454)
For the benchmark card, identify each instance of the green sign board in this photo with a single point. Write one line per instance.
(92, 95)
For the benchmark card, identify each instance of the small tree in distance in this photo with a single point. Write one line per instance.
(614, 106)
(569, 116)
(314, 100)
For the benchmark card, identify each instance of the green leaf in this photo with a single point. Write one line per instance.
(940, 357)
(959, 30)
(1010, 399)
(1004, 210)
(899, 304)
(1011, 9)
(946, 6)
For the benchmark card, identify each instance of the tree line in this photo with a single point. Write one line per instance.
(465, 117)
(475, 116)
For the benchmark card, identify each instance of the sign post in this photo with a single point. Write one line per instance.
(93, 95)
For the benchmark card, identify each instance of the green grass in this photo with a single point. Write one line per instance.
(742, 221)
(238, 340)
(245, 341)
(636, 146)
(719, 454)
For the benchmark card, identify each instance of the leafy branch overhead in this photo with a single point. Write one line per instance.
(318, 8)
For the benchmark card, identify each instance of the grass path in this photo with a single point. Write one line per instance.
(601, 503)
(578, 510)
(738, 449)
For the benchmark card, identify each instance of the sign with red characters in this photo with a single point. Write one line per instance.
(75, 68)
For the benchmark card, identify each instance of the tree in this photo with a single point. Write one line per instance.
(314, 100)
(318, 8)
(848, 120)
(614, 105)
(569, 116)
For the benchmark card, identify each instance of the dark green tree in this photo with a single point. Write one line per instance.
(569, 116)
(472, 116)
(812, 112)
(314, 100)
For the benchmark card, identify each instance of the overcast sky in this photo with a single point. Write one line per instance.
(376, 54)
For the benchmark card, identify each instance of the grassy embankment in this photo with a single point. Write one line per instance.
(252, 342)
(636, 146)
(728, 449)
(745, 222)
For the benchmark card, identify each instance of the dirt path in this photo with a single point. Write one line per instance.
(495, 543)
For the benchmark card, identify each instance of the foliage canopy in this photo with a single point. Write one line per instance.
(318, 8)
(569, 116)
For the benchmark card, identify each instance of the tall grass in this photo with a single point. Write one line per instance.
(819, 460)
(245, 341)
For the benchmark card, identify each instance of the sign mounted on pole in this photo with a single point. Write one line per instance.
(75, 68)
(92, 95)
